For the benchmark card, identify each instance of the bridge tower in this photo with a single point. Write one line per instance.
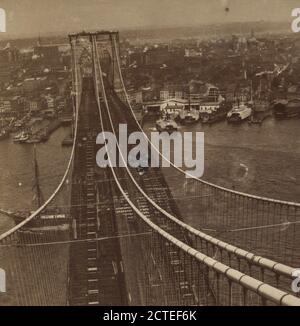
(108, 47)
(124, 239)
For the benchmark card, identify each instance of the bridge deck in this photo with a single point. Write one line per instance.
(156, 188)
(95, 274)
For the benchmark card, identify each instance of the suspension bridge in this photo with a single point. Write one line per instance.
(114, 236)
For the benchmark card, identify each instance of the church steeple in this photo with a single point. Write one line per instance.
(39, 41)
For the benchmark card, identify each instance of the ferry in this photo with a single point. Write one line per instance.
(166, 124)
(17, 137)
(24, 137)
(239, 113)
(189, 116)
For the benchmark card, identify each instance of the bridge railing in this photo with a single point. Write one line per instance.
(278, 274)
(268, 227)
(184, 250)
(184, 274)
(34, 253)
(35, 214)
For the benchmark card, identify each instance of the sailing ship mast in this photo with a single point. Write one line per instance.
(189, 100)
(38, 193)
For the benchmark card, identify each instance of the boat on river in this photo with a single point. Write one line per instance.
(50, 219)
(166, 123)
(287, 109)
(239, 113)
(4, 134)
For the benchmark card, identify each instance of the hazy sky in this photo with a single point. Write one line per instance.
(42, 16)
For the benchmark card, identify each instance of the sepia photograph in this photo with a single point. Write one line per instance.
(149, 155)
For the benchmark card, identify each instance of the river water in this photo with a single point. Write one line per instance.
(17, 173)
(262, 160)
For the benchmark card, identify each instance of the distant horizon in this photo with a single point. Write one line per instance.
(8, 37)
(28, 18)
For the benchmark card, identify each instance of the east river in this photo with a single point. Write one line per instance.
(262, 160)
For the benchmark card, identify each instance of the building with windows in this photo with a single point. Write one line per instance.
(33, 104)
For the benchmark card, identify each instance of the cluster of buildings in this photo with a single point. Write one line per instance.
(35, 79)
(206, 72)
(197, 95)
(198, 73)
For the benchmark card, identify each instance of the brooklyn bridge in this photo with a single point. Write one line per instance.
(121, 237)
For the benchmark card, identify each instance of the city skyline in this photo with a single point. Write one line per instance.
(31, 17)
(150, 156)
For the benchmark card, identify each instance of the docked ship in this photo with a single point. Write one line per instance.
(4, 134)
(17, 138)
(239, 113)
(215, 116)
(261, 111)
(22, 137)
(189, 115)
(286, 109)
(166, 124)
(50, 219)
(35, 139)
(261, 104)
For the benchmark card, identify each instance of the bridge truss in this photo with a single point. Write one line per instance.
(155, 239)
